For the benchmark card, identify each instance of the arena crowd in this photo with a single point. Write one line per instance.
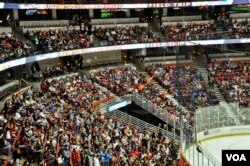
(185, 83)
(61, 125)
(232, 78)
(128, 81)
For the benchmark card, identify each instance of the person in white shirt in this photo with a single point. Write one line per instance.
(96, 161)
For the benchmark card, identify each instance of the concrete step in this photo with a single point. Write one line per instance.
(231, 111)
(203, 70)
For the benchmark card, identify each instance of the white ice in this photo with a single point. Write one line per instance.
(214, 147)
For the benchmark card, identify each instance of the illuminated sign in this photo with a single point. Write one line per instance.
(34, 58)
(117, 106)
(119, 6)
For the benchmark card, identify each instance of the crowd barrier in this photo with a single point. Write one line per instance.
(182, 18)
(239, 15)
(165, 61)
(163, 58)
(44, 23)
(5, 86)
(64, 28)
(64, 76)
(226, 55)
(135, 122)
(114, 21)
(123, 25)
(185, 23)
(5, 30)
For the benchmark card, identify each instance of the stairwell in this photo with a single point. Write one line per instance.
(154, 26)
(229, 108)
(203, 70)
(18, 33)
(161, 89)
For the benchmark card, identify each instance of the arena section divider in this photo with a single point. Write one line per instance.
(121, 6)
(40, 57)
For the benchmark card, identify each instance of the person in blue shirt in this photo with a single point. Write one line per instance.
(107, 158)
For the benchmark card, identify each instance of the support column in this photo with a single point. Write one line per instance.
(177, 50)
(15, 14)
(128, 13)
(224, 46)
(54, 14)
(165, 12)
(91, 13)
(142, 52)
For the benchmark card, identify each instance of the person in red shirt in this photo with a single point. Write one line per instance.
(77, 157)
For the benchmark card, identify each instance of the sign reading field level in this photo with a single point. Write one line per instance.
(236, 157)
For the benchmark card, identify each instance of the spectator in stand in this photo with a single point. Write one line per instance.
(12, 48)
(62, 68)
(61, 125)
(58, 40)
(128, 80)
(47, 41)
(125, 35)
(185, 82)
(232, 78)
(189, 32)
(195, 31)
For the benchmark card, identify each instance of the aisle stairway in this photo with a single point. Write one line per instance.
(170, 97)
(17, 32)
(231, 110)
(203, 70)
(161, 89)
(154, 26)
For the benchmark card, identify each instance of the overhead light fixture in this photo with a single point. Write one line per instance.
(176, 8)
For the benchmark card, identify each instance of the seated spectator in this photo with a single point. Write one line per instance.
(12, 48)
(61, 125)
(232, 78)
(125, 35)
(128, 80)
(58, 40)
(191, 31)
(185, 82)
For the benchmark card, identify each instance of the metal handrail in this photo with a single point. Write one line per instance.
(141, 101)
(123, 117)
(209, 156)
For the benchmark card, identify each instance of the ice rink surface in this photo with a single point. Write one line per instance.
(215, 146)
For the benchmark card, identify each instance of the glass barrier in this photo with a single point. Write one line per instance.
(212, 121)
(221, 116)
(212, 117)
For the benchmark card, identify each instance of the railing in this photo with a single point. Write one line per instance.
(211, 159)
(125, 118)
(195, 153)
(160, 113)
